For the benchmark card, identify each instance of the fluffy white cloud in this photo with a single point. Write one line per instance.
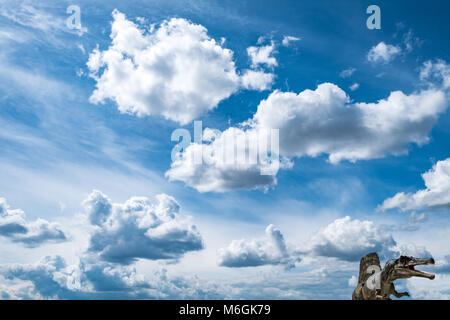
(226, 162)
(325, 121)
(176, 70)
(14, 226)
(350, 240)
(139, 228)
(288, 39)
(413, 250)
(439, 289)
(257, 80)
(322, 121)
(87, 279)
(270, 250)
(52, 278)
(436, 194)
(438, 70)
(383, 52)
(262, 55)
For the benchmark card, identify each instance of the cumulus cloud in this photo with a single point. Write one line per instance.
(233, 159)
(414, 250)
(345, 238)
(288, 39)
(262, 55)
(350, 240)
(323, 121)
(86, 279)
(436, 194)
(271, 250)
(433, 71)
(52, 278)
(257, 80)
(139, 228)
(14, 226)
(439, 289)
(175, 70)
(347, 72)
(383, 52)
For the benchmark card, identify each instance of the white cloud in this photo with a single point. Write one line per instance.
(347, 72)
(436, 194)
(410, 41)
(413, 250)
(353, 281)
(438, 70)
(257, 80)
(223, 168)
(176, 71)
(438, 289)
(354, 86)
(345, 238)
(350, 240)
(271, 250)
(262, 55)
(415, 217)
(383, 52)
(443, 266)
(319, 122)
(14, 226)
(37, 18)
(325, 121)
(52, 278)
(139, 228)
(288, 39)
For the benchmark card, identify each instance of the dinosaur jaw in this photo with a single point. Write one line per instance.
(417, 273)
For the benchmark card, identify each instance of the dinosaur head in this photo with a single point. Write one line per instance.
(404, 267)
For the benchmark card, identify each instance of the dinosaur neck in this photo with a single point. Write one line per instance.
(386, 275)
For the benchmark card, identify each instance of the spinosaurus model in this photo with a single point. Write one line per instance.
(377, 284)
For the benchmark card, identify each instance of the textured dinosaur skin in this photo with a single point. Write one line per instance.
(375, 283)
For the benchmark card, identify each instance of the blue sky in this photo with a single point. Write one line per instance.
(375, 100)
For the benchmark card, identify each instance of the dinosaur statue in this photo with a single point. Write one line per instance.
(377, 284)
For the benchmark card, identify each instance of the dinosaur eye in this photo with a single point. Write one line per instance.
(403, 260)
